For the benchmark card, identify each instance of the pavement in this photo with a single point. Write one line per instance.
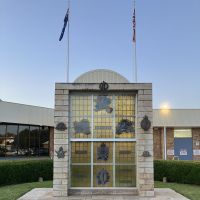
(47, 194)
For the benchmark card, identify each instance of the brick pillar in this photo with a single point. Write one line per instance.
(61, 166)
(145, 171)
(158, 143)
(170, 142)
(196, 143)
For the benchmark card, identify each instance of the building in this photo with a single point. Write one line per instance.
(90, 115)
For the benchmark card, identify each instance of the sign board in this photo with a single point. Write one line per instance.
(196, 152)
(170, 152)
(183, 152)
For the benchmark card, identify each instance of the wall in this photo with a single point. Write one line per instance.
(196, 143)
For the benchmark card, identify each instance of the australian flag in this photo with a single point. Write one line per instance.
(65, 24)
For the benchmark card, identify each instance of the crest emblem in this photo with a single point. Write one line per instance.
(103, 86)
(61, 126)
(146, 154)
(82, 127)
(102, 152)
(60, 153)
(103, 103)
(145, 123)
(124, 126)
(103, 177)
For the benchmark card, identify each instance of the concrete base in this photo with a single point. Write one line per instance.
(47, 194)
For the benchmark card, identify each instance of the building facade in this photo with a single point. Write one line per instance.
(103, 137)
(94, 134)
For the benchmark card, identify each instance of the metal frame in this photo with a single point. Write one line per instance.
(113, 140)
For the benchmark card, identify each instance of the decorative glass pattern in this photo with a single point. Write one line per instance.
(103, 152)
(80, 152)
(103, 176)
(125, 152)
(80, 116)
(81, 176)
(125, 176)
(98, 157)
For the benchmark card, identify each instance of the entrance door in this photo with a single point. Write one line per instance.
(183, 148)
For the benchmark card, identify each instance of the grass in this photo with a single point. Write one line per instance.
(190, 191)
(13, 192)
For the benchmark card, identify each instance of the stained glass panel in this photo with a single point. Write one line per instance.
(80, 176)
(81, 152)
(125, 176)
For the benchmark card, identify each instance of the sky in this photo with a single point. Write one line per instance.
(168, 47)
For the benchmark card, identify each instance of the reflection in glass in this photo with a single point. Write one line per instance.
(44, 141)
(80, 152)
(80, 176)
(103, 176)
(2, 140)
(125, 152)
(125, 176)
(11, 140)
(34, 140)
(23, 149)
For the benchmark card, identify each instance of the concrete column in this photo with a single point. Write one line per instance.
(61, 165)
(145, 171)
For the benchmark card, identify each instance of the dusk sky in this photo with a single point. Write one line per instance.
(168, 47)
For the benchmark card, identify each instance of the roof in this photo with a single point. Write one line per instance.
(99, 75)
(26, 114)
(176, 118)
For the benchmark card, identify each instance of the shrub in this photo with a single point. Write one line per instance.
(22, 171)
(177, 171)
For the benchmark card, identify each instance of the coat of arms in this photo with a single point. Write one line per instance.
(102, 152)
(124, 126)
(103, 103)
(82, 127)
(103, 177)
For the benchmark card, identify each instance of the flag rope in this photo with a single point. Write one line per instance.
(68, 39)
(134, 41)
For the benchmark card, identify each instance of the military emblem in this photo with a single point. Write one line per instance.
(61, 126)
(102, 152)
(82, 127)
(60, 153)
(103, 103)
(125, 126)
(146, 154)
(103, 86)
(145, 123)
(103, 177)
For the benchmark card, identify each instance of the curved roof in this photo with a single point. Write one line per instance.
(99, 75)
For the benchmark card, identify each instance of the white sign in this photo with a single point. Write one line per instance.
(183, 152)
(170, 152)
(196, 152)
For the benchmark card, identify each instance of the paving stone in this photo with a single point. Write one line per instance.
(47, 194)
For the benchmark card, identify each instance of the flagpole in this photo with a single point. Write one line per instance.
(68, 42)
(134, 43)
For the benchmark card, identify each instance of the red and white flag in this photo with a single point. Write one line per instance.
(134, 26)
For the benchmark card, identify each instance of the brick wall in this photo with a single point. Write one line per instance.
(158, 145)
(170, 142)
(196, 143)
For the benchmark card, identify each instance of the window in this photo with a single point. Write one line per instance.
(102, 135)
(2, 140)
(182, 133)
(11, 140)
(23, 140)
